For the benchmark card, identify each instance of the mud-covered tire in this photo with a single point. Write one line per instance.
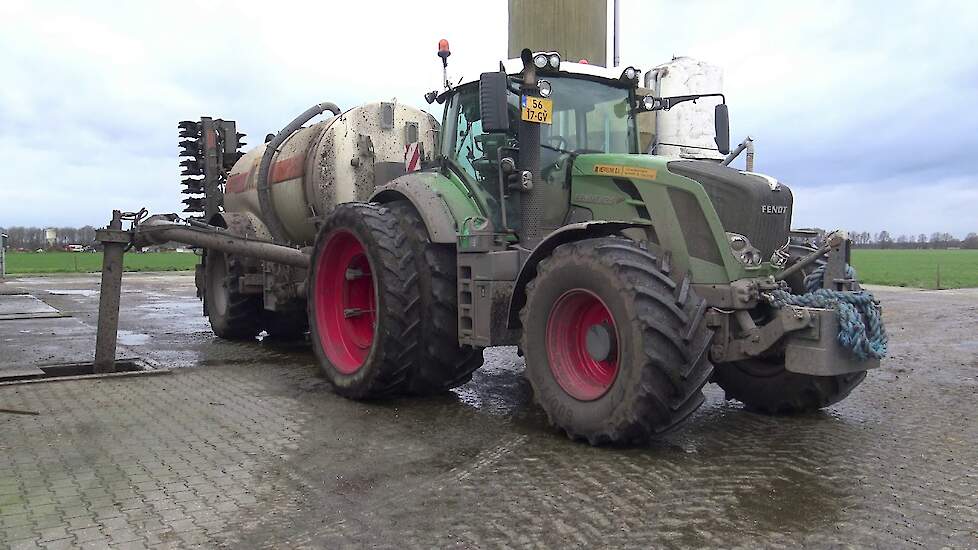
(233, 315)
(443, 364)
(763, 385)
(362, 301)
(660, 343)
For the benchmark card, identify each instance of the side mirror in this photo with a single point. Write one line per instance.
(492, 102)
(722, 122)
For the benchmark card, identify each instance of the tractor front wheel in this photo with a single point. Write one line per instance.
(362, 301)
(616, 349)
(763, 385)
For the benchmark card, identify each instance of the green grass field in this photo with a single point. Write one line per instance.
(88, 262)
(917, 268)
(912, 268)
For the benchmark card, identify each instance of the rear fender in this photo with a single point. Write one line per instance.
(566, 234)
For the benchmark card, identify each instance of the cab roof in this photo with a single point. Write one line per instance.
(515, 67)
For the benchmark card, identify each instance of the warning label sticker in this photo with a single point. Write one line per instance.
(625, 171)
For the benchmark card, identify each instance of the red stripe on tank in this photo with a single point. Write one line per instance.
(290, 168)
(280, 171)
(236, 182)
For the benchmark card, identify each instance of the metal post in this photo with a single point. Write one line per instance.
(3, 255)
(616, 54)
(114, 241)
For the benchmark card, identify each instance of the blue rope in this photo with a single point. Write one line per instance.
(861, 328)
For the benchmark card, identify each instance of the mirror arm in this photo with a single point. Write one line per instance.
(666, 103)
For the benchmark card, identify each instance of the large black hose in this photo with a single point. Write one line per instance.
(269, 216)
(159, 229)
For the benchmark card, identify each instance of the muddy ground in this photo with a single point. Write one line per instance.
(245, 445)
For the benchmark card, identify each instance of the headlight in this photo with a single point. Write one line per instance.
(648, 102)
(540, 60)
(630, 73)
(554, 61)
(743, 251)
(545, 88)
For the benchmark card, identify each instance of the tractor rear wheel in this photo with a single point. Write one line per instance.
(763, 385)
(362, 300)
(233, 315)
(616, 349)
(443, 364)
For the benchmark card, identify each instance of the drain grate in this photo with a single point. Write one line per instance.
(74, 371)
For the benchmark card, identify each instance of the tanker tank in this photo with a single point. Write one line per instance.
(338, 160)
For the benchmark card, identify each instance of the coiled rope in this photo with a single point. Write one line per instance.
(861, 328)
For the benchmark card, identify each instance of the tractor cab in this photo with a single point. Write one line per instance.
(576, 108)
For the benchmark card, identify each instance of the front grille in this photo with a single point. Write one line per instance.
(746, 204)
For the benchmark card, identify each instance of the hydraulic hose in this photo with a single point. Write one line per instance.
(269, 216)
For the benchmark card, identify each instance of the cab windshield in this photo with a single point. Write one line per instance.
(589, 117)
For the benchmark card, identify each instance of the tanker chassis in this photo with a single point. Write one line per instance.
(527, 217)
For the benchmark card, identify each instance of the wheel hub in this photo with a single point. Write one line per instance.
(598, 341)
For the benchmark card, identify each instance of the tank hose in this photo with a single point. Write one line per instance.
(861, 328)
(269, 216)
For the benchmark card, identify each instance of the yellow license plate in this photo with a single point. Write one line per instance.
(537, 109)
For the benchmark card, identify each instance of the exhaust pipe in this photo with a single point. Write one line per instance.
(531, 200)
(747, 144)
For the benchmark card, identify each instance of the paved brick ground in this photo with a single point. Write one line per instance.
(253, 450)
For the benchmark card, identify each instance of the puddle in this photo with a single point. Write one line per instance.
(129, 338)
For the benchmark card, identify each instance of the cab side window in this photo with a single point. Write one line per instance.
(467, 128)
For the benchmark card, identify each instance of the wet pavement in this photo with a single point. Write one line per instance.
(249, 447)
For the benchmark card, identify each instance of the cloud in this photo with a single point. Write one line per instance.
(849, 102)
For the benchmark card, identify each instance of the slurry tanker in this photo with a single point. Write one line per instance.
(528, 216)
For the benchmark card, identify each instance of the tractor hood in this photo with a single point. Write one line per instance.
(753, 205)
(691, 204)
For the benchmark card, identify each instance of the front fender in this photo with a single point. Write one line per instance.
(565, 234)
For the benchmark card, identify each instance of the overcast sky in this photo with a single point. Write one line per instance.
(868, 110)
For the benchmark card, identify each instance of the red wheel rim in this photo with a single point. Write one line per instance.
(585, 374)
(345, 302)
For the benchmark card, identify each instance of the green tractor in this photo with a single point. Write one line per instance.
(627, 280)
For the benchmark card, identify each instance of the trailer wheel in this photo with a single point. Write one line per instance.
(616, 349)
(233, 315)
(363, 304)
(763, 385)
(443, 364)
